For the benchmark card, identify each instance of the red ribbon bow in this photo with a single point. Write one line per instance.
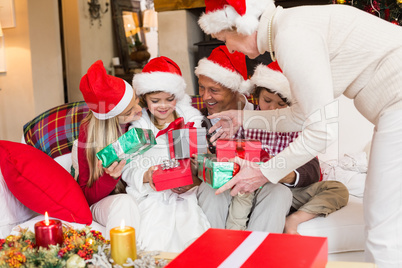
(176, 124)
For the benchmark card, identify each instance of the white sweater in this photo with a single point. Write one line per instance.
(168, 221)
(326, 51)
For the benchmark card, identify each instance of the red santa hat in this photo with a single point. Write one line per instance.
(160, 74)
(225, 14)
(107, 96)
(225, 68)
(271, 77)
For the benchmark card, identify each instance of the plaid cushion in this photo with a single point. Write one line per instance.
(55, 130)
(198, 103)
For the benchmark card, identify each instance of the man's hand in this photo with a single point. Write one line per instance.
(230, 121)
(114, 169)
(249, 179)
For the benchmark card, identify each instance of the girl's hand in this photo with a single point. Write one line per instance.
(229, 123)
(148, 177)
(182, 189)
(115, 169)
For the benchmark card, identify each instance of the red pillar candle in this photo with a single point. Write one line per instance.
(48, 232)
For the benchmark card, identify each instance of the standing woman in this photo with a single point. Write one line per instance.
(324, 51)
(113, 104)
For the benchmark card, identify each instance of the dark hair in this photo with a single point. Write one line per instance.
(257, 91)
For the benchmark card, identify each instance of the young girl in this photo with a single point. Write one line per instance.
(170, 219)
(309, 200)
(112, 103)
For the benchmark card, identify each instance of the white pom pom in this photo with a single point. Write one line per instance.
(245, 87)
(246, 24)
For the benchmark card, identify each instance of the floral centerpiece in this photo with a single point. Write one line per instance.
(81, 248)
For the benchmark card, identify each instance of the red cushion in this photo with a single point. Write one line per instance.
(41, 184)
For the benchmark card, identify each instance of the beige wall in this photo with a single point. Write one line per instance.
(33, 82)
(85, 43)
(178, 32)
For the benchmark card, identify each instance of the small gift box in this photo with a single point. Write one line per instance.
(132, 143)
(184, 139)
(232, 248)
(214, 173)
(246, 149)
(172, 173)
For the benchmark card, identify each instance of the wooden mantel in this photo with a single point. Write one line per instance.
(168, 5)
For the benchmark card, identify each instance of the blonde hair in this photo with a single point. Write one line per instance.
(100, 133)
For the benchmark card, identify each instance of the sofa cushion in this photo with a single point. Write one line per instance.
(344, 228)
(41, 184)
(12, 211)
(55, 130)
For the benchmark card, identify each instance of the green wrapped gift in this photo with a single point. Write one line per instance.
(132, 143)
(214, 173)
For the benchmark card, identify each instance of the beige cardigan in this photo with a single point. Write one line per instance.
(326, 51)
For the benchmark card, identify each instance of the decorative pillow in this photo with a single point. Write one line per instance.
(12, 211)
(41, 184)
(54, 131)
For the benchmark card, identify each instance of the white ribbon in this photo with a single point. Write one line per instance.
(240, 255)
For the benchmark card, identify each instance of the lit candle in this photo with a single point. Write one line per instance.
(48, 232)
(122, 243)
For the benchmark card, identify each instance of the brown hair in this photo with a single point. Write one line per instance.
(257, 91)
(144, 104)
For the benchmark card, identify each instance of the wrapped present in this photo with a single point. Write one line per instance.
(184, 139)
(172, 173)
(245, 148)
(214, 173)
(132, 143)
(232, 248)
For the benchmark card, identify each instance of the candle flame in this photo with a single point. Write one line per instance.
(46, 219)
(122, 224)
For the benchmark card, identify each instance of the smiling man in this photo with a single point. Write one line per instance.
(222, 79)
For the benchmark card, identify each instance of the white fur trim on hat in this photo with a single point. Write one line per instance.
(274, 80)
(120, 107)
(160, 81)
(223, 76)
(227, 18)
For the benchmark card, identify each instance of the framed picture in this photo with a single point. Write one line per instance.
(7, 13)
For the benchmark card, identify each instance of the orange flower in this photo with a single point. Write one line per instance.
(15, 259)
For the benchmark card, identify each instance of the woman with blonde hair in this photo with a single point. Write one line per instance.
(113, 104)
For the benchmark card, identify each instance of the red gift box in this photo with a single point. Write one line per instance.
(173, 177)
(184, 139)
(246, 149)
(232, 248)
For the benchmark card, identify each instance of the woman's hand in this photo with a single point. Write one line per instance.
(249, 179)
(115, 169)
(148, 177)
(229, 123)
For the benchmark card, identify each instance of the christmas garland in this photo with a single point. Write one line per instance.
(81, 248)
